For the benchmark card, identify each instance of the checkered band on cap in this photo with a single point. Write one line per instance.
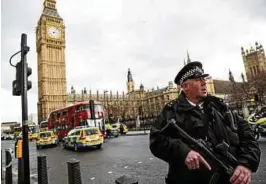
(191, 73)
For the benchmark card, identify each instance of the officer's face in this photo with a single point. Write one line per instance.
(196, 88)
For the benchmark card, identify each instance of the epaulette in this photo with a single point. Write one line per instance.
(171, 103)
(220, 102)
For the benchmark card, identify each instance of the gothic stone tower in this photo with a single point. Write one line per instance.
(130, 82)
(50, 44)
(254, 61)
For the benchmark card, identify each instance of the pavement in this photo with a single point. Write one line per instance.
(33, 178)
(124, 155)
(132, 133)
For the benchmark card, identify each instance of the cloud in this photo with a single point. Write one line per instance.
(151, 37)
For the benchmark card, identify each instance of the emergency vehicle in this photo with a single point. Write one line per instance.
(82, 137)
(46, 138)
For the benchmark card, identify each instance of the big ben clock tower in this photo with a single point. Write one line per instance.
(50, 44)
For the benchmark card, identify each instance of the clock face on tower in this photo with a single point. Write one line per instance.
(54, 32)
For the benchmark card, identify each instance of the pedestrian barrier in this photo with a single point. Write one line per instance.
(8, 166)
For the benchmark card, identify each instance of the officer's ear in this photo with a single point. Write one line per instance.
(185, 85)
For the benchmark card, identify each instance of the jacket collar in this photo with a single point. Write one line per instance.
(183, 104)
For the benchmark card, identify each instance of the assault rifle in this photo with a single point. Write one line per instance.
(219, 157)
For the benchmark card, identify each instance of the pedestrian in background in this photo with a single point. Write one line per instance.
(205, 117)
(121, 128)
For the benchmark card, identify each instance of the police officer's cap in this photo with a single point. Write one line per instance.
(192, 70)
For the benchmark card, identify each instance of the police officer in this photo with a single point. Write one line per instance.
(205, 117)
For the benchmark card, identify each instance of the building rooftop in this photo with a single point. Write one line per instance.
(224, 87)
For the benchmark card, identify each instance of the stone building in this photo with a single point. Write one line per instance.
(254, 61)
(130, 104)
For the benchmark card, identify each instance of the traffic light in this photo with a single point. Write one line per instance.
(16, 84)
(29, 72)
(18, 149)
(256, 97)
(24, 51)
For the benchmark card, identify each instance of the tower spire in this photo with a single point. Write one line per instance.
(130, 82)
(231, 77)
(188, 58)
(243, 78)
(129, 76)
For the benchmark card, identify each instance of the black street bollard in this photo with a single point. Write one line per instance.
(8, 167)
(126, 180)
(42, 170)
(2, 165)
(74, 176)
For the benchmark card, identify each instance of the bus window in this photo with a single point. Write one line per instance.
(82, 123)
(65, 113)
(72, 123)
(98, 107)
(53, 115)
(44, 125)
(86, 107)
(90, 123)
(58, 115)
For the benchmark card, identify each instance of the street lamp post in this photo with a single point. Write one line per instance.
(142, 113)
(143, 121)
(107, 106)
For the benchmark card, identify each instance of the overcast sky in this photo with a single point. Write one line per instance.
(151, 37)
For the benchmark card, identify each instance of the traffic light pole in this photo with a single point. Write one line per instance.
(20, 86)
(92, 111)
(24, 105)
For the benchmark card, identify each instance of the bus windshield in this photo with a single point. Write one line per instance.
(98, 109)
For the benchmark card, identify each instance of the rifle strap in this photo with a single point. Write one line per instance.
(210, 134)
(215, 177)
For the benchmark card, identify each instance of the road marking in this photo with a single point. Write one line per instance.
(33, 175)
(151, 158)
(110, 172)
(92, 178)
(139, 162)
(126, 167)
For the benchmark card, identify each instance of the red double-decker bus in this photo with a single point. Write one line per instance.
(61, 121)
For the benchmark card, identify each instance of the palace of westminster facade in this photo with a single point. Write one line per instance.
(52, 82)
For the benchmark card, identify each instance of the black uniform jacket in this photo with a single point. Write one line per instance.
(170, 148)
